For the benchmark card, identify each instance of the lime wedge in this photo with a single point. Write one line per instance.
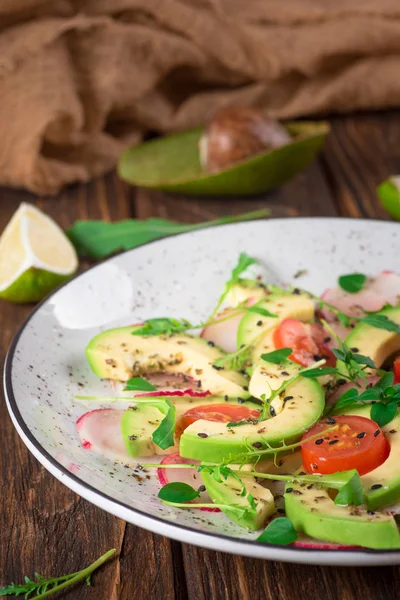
(172, 163)
(35, 256)
(389, 195)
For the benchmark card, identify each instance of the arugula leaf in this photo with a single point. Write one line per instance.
(313, 373)
(280, 531)
(163, 436)
(45, 587)
(99, 239)
(352, 283)
(380, 322)
(178, 491)
(163, 326)
(277, 356)
(138, 384)
(382, 414)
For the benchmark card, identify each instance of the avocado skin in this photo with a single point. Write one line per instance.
(323, 520)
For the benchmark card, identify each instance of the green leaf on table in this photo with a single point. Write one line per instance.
(138, 384)
(382, 414)
(280, 531)
(164, 435)
(178, 492)
(352, 283)
(99, 239)
(277, 356)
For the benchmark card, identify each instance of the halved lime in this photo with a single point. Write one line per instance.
(172, 163)
(35, 256)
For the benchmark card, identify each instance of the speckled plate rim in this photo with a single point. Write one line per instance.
(212, 541)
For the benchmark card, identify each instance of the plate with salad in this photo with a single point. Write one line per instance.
(237, 388)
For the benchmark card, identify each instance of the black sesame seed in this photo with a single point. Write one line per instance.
(202, 488)
(354, 349)
(377, 432)
(246, 388)
(210, 343)
(132, 437)
(202, 435)
(217, 368)
(314, 466)
(259, 323)
(272, 411)
(257, 445)
(341, 381)
(241, 400)
(281, 511)
(327, 340)
(316, 357)
(371, 512)
(376, 486)
(320, 441)
(242, 346)
(287, 398)
(361, 435)
(284, 373)
(289, 490)
(199, 384)
(331, 420)
(296, 291)
(333, 442)
(226, 398)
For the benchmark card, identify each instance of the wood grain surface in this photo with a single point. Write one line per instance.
(47, 528)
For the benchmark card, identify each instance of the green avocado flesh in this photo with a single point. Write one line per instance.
(228, 491)
(387, 475)
(214, 442)
(138, 425)
(376, 343)
(119, 355)
(312, 511)
(257, 329)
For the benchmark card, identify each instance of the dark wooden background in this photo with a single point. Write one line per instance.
(47, 528)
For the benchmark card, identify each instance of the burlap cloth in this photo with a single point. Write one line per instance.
(80, 81)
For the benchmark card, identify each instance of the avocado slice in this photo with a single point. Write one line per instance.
(254, 326)
(228, 491)
(244, 291)
(213, 442)
(117, 354)
(312, 510)
(376, 343)
(387, 475)
(137, 426)
(268, 377)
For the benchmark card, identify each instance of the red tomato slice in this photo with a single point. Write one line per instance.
(224, 413)
(358, 443)
(308, 342)
(396, 369)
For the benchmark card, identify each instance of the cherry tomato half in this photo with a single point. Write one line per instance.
(224, 413)
(396, 369)
(308, 342)
(358, 443)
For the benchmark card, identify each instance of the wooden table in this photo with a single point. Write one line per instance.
(47, 528)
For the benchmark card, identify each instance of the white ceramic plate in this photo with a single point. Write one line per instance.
(181, 276)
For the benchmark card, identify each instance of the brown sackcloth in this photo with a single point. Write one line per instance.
(80, 81)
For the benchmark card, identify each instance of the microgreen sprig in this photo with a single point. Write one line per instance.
(244, 262)
(42, 587)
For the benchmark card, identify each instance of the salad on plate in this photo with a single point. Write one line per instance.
(280, 410)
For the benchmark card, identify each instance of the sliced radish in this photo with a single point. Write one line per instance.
(100, 431)
(189, 476)
(387, 284)
(223, 334)
(341, 389)
(311, 544)
(353, 305)
(188, 392)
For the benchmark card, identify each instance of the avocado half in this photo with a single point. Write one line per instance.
(172, 163)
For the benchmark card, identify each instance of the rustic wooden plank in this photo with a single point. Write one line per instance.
(361, 151)
(307, 194)
(46, 527)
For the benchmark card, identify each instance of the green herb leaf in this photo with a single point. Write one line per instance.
(360, 359)
(46, 587)
(373, 393)
(163, 326)
(352, 283)
(178, 491)
(277, 356)
(280, 531)
(348, 398)
(244, 262)
(386, 380)
(99, 239)
(260, 311)
(163, 436)
(351, 492)
(313, 373)
(139, 384)
(235, 361)
(382, 414)
(340, 355)
(381, 322)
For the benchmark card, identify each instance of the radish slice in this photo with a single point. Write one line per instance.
(348, 386)
(387, 284)
(189, 476)
(352, 305)
(100, 431)
(224, 334)
(311, 544)
(188, 392)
